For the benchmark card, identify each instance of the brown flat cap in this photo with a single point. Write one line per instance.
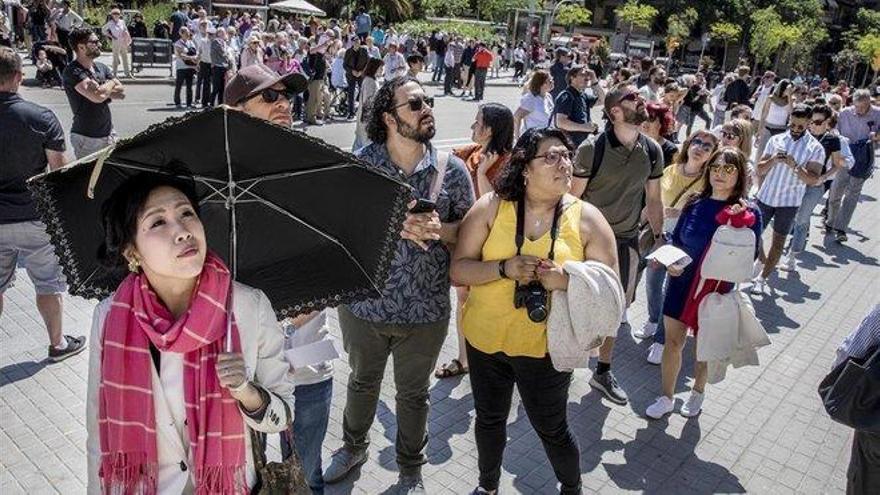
(255, 78)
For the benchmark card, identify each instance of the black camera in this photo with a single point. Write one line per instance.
(533, 297)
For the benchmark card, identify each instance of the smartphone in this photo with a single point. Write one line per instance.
(423, 206)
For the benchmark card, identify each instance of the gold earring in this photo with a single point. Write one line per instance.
(133, 265)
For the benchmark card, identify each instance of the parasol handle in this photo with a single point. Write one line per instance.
(228, 344)
(96, 172)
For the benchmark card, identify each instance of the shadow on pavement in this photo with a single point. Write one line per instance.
(12, 373)
(656, 462)
(843, 254)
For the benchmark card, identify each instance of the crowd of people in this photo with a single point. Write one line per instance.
(546, 201)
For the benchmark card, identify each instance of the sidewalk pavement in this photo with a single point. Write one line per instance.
(762, 430)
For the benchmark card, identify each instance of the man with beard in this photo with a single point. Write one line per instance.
(411, 318)
(619, 171)
(90, 87)
(791, 162)
(653, 91)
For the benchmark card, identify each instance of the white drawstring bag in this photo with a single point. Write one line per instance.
(730, 256)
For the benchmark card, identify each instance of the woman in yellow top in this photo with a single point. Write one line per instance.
(507, 340)
(678, 182)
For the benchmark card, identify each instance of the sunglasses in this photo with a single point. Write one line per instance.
(552, 158)
(270, 95)
(631, 97)
(817, 122)
(726, 168)
(417, 104)
(729, 135)
(706, 145)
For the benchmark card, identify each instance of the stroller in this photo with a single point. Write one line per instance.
(55, 54)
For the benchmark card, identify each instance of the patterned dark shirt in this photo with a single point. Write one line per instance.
(417, 289)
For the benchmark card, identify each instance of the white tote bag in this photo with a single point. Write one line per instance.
(718, 317)
(730, 255)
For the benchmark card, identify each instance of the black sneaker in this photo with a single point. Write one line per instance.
(606, 384)
(482, 491)
(75, 345)
(411, 484)
(840, 236)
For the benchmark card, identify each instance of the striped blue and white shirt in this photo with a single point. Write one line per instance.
(862, 339)
(782, 187)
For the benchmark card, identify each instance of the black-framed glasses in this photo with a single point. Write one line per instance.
(817, 122)
(729, 135)
(417, 104)
(270, 95)
(706, 145)
(552, 158)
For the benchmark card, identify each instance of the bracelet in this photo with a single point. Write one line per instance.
(240, 388)
(501, 270)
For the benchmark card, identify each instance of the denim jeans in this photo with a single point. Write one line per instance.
(801, 230)
(310, 417)
(654, 287)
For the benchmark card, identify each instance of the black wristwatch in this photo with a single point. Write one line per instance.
(501, 271)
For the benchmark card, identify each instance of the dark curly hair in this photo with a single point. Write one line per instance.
(383, 102)
(510, 185)
(119, 212)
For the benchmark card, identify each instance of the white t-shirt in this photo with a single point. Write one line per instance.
(539, 108)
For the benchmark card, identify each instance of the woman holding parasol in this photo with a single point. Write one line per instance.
(168, 410)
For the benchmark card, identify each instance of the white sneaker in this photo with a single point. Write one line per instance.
(789, 263)
(661, 407)
(693, 405)
(655, 353)
(758, 286)
(648, 330)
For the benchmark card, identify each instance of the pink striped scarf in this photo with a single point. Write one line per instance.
(127, 422)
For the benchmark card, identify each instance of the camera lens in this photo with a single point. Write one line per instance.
(538, 314)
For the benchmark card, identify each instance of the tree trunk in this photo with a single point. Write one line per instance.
(865, 77)
(724, 59)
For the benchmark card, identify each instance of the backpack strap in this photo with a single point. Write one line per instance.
(437, 184)
(598, 154)
(653, 151)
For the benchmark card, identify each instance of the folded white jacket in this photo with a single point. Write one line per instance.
(582, 316)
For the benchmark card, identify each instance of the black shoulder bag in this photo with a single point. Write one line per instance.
(851, 392)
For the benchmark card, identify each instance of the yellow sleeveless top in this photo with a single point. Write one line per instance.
(490, 322)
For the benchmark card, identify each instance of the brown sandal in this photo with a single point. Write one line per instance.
(451, 369)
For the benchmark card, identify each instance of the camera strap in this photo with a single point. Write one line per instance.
(520, 226)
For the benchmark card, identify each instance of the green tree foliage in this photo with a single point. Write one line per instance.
(445, 8)
(868, 46)
(637, 15)
(573, 15)
(425, 28)
(680, 24)
(726, 32)
(497, 10)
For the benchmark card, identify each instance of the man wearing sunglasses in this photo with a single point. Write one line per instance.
(90, 87)
(791, 162)
(820, 128)
(411, 317)
(262, 93)
(619, 171)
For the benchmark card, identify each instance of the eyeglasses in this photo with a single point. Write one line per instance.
(726, 168)
(817, 122)
(270, 95)
(552, 158)
(729, 135)
(417, 104)
(706, 145)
